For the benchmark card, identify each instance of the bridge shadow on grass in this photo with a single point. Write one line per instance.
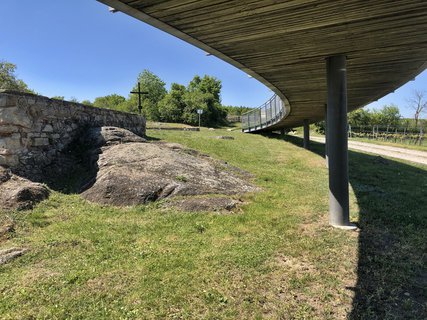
(392, 262)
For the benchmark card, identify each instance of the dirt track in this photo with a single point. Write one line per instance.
(393, 152)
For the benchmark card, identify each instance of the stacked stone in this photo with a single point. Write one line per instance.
(34, 129)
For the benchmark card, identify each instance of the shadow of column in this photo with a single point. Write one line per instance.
(392, 259)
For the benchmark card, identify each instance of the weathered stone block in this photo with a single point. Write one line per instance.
(10, 143)
(9, 160)
(8, 129)
(3, 101)
(40, 142)
(33, 135)
(48, 128)
(15, 116)
(37, 127)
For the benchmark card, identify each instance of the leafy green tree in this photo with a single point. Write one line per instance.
(320, 127)
(236, 111)
(193, 101)
(156, 91)
(386, 116)
(207, 84)
(390, 115)
(359, 117)
(87, 102)
(112, 101)
(171, 107)
(8, 79)
(375, 117)
(204, 93)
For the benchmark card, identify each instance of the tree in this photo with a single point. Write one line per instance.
(112, 101)
(359, 117)
(390, 115)
(204, 93)
(171, 107)
(207, 84)
(156, 91)
(418, 103)
(87, 102)
(236, 111)
(8, 78)
(375, 117)
(193, 101)
(320, 127)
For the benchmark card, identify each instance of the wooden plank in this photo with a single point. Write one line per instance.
(284, 43)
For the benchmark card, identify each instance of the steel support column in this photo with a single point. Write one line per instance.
(326, 135)
(337, 142)
(306, 134)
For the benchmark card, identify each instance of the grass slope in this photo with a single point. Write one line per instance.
(276, 258)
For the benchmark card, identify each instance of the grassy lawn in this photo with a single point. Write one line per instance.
(153, 124)
(274, 258)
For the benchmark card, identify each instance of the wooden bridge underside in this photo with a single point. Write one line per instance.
(284, 44)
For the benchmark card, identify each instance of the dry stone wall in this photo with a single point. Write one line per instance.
(34, 130)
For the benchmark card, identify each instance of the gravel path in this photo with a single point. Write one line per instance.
(393, 152)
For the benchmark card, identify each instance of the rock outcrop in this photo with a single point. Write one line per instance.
(131, 171)
(17, 193)
(7, 255)
(123, 169)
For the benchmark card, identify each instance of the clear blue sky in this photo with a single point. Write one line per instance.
(78, 49)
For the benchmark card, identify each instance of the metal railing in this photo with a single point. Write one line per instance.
(264, 116)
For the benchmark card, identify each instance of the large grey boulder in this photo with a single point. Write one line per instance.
(134, 172)
(17, 193)
(104, 136)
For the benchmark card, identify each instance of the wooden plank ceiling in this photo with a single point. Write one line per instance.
(284, 43)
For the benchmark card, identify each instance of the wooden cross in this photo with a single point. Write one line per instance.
(139, 93)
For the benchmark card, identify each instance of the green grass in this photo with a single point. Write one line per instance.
(154, 124)
(274, 258)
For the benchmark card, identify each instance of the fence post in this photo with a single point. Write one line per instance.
(404, 134)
